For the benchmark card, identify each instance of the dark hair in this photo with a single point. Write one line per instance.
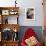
(27, 13)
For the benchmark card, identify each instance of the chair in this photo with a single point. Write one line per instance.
(29, 33)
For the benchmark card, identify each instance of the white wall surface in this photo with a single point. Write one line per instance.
(23, 4)
(37, 4)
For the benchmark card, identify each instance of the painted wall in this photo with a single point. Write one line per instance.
(23, 4)
(38, 12)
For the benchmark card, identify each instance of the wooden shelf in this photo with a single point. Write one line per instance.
(5, 11)
(11, 26)
(9, 8)
(9, 43)
(4, 25)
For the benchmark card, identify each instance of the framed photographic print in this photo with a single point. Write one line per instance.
(5, 12)
(13, 12)
(30, 13)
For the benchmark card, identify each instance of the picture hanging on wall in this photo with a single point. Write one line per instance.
(30, 13)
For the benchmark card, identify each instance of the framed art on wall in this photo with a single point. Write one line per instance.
(30, 13)
(5, 12)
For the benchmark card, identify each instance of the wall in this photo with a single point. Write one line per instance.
(38, 12)
(23, 4)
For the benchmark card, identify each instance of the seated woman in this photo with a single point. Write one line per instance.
(30, 38)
